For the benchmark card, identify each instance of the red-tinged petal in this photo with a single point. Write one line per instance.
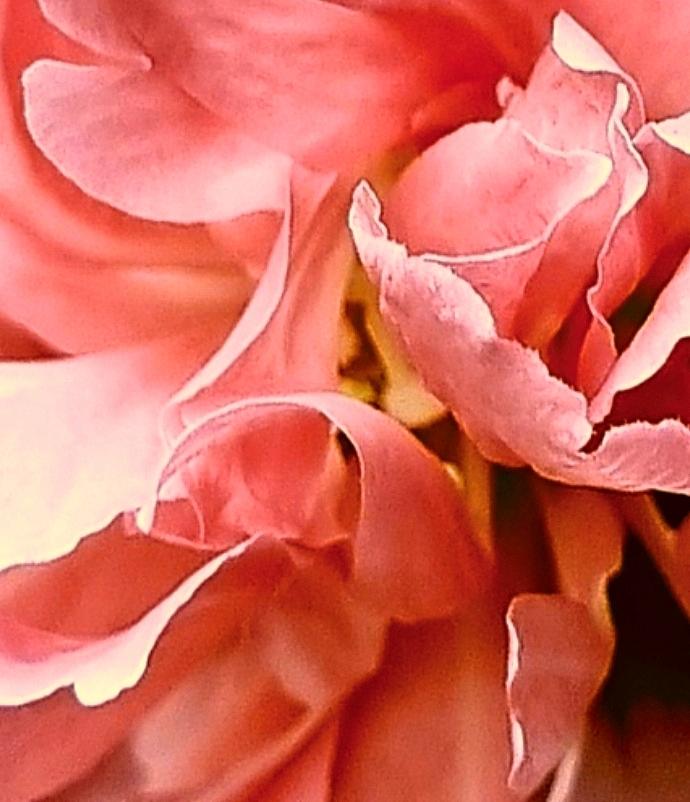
(54, 741)
(645, 762)
(432, 724)
(413, 553)
(304, 651)
(171, 161)
(80, 441)
(486, 200)
(669, 547)
(561, 646)
(667, 324)
(450, 336)
(556, 663)
(307, 776)
(95, 26)
(74, 307)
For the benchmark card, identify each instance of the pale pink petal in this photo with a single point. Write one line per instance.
(34, 665)
(174, 161)
(501, 391)
(326, 78)
(33, 194)
(81, 443)
(486, 200)
(561, 646)
(56, 740)
(412, 550)
(572, 90)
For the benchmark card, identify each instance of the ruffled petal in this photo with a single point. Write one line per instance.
(56, 740)
(486, 200)
(413, 554)
(561, 646)
(450, 336)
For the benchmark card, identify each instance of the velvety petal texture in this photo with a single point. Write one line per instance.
(536, 242)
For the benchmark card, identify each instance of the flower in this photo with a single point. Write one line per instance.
(531, 243)
(221, 577)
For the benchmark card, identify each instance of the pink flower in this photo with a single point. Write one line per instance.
(530, 245)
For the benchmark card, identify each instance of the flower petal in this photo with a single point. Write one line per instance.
(80, 441)
(561, 646)
(140, 163)
(413, 553)
(450, 336)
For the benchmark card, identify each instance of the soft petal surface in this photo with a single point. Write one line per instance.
(412, 551)
(413, 732)
(81, 437)
(561, 645)
(449, 333)
(57, 739)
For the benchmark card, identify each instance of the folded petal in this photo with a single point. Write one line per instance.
(174, 162)
(561, 645)
(412, 551)
(285, 339)
(80, 442)
(56, 740)
(486, 200)
(449, 334)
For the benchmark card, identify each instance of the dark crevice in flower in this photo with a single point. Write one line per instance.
(674, 508)
(522, 542)
(441, 437)
(652, 656)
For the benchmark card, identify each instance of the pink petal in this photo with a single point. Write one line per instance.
(450, 336)
(285, 339)
(308, 775)
(572, 90)
(53, 741)
(561, 646)
(413, 553)
(326, 78)
(432, 724)
(74, 306)
(667, 324)
(300, 655)
(35, 195)
(171, 143)
(486, 200)
(82, 441)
